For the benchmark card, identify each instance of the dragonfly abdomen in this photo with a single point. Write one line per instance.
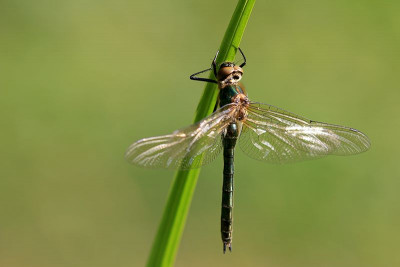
(229, 142)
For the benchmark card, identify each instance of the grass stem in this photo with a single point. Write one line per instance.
(170, 230)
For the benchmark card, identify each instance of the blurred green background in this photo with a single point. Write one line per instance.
(81, 80)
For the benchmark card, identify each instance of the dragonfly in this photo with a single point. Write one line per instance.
(262, 131)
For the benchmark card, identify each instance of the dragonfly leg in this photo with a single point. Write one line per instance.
(244, 58)
(214, 64)
(213, 68)
(193, 77)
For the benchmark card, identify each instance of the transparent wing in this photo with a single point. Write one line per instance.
(188, 148)
(278, 136)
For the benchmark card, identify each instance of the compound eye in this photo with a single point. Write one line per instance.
(224, 72)
(238, 69)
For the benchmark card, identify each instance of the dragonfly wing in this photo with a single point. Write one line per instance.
(187, 148)
(274, 135)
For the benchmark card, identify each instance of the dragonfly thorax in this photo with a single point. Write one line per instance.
(242, 104)
(229, 74)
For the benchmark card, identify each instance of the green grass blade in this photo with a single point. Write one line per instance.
(170, 230)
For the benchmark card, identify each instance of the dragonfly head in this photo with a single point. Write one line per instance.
(229, 74)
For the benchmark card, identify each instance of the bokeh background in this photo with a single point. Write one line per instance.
(81, 80)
